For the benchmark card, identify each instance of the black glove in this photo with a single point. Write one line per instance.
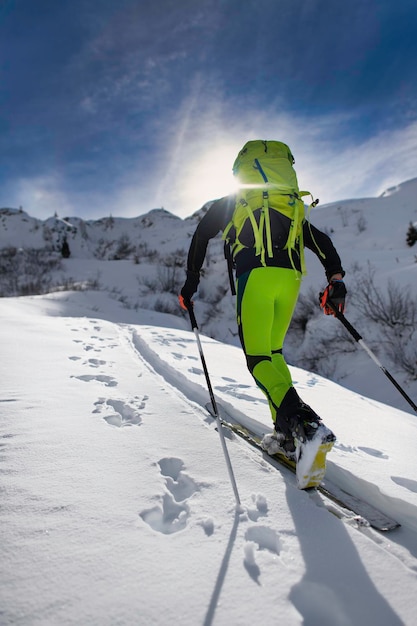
(336, 293)
(189, 288)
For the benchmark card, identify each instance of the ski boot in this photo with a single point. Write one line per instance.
(278, 442)
(281, 440)
(313, 441)
(301, 436)
(305, 425)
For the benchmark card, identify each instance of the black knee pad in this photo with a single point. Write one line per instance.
(252, 361)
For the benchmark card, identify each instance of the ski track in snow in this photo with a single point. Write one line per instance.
(170, 506)
(172, 513)
(194, 392)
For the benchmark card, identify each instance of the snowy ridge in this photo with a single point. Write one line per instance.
(90, 239)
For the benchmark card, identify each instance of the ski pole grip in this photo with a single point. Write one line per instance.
(188, 305)
(346, 324)
(190, 309)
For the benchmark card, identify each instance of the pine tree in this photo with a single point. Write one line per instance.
(411, 236)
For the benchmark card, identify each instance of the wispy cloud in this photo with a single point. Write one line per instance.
(153, 101)
(351, 169)
(190, 163)
(328, 162)
(41, 196)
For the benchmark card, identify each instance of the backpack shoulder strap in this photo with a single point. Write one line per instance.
(230, 266)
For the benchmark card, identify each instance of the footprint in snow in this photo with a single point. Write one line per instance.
(373, 452)
(261, 508)
(180, 356)
(312, 381)
(98, 338)
(235, 390)
(265, 539)
(108, 381)
(87, 347)
(94, 362)
(408, 483)
(178, 483)
(123, 414)
(250, 563)
(168, 518)
(343, 448)
(173, 513)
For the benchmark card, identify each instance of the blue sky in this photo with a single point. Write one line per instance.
(119, 107)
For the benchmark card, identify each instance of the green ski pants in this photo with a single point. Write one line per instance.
(266, 299)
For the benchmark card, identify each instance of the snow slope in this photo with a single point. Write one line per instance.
(117, 506)
(369, 233)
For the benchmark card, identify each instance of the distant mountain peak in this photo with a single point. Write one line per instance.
(405, 186)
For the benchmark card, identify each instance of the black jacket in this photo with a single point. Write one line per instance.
(217, 218)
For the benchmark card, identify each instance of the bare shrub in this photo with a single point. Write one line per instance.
(170, 272)
(402, 350)
(71, 284)
(144, 253)
(322, 356)
(344, 214)
(393, 308)
(27, 272)
(163, 305)
(103, 249)
(394, 311)
(361, 224)
(168, 279)
(124, 248)
(307, 308)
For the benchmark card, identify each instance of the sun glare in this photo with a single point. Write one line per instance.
(210, 177)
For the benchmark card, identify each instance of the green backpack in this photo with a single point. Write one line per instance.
(269, 212)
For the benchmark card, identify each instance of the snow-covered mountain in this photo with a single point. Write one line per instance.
(107, 238)
(140, 261)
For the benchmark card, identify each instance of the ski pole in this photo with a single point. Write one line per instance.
(357, 337)
(194, 326)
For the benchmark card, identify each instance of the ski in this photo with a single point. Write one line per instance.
(363, 513)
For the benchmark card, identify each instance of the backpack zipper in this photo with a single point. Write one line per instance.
(258, 166)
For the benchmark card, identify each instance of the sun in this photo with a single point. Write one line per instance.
(210, 177)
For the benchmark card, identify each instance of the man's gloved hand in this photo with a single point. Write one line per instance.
(189, 289)
(336, 292)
